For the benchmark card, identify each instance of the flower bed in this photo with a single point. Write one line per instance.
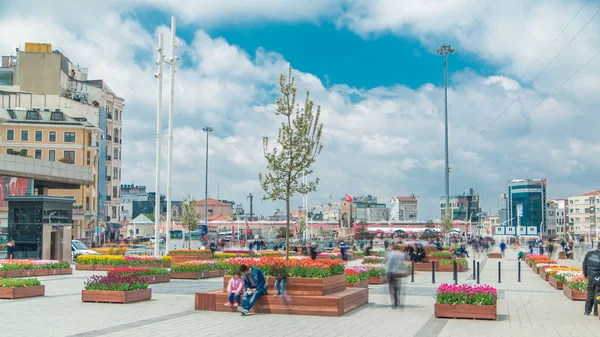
(197, 270)
(31, 268)
(148, 275)
(20, 288)
(332, 256)
(295, 267)
(228, 254)
(373, 259)
(465, 301)
(111, 250)
(115, 289)
(495, 255)
(576, 288)
(376, 272)
(357, 277)
(182, 255)
(448, 265)
(109, 262)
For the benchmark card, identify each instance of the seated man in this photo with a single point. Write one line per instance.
(256, 286)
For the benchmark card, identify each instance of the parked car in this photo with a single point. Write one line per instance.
(78, 249)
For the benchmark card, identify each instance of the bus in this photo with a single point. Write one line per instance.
(180, 238)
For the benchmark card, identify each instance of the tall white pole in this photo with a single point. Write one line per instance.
(172, 63)
(159, 76)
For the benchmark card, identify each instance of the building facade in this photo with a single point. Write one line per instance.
(129, 195)
(216, 208)
(583, 216)
(503, 209)
(464, 207)
(404, 208)
(46, 78)
(54, 136)
(367, 208)
(527, 207)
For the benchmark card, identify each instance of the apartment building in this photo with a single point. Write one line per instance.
(404, 208)
(583, 216)
(46, 78)
(54, 136)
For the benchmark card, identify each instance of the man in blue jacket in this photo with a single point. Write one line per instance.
(591, 270)
(256, 286)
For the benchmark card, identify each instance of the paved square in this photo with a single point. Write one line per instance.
(528, 308)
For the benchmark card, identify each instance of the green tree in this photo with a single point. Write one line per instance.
(297, 148)
(447, 224)
(189, 216)
(362, 233)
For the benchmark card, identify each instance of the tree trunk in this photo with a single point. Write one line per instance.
(287, 230)
(189, 238)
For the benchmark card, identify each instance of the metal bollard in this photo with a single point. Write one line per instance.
(478, 273)
(499, 272)
(432, 272)
(412, 272)
(519, 272)
(455, 272)
(474, 269)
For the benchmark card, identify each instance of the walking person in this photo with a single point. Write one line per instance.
(550, 249)
(313, 251)
(395, 270)
(591, 270)
(256, 286)
(10, 249)
(502, 247)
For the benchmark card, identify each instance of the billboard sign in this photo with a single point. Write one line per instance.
(13, 186)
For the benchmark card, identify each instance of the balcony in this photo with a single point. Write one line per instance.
(109, 137)
(109, 116)
(108, 198)
(108, 178)
(108, 157)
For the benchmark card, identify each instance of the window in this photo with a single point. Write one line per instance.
(24, 135)
(38, 154)
(116, 153)
(38, 136)
(115, 192)
(115, 173)
(69, 137)
(116, 114)
(571, 202)
(10, 134)
(52, 136)
(52, 155)
(576, 210)
(70, 155)
(33, 115)
(57, 116)
(114, 211)
(88, 157)
(23, 152)
(9, 151)
(137, 231)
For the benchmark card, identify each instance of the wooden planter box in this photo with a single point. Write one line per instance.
(425, 266)
(190, 257)
(556, 284)
(574, 295)
(306, 286)
(543, 274)
(152, 279)
(430, 259)
(450, 267)
(361, 284)
(106, 267)
(22, 292)
(101, 296)
(495, 255)
(465, 311)
(192, 275)
(377, 279)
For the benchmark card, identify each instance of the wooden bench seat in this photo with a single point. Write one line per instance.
(336, 304)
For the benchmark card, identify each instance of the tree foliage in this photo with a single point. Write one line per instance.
(362, 233)
(189, 216)
(297, 147)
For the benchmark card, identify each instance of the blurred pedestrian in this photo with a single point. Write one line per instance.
(395, 270)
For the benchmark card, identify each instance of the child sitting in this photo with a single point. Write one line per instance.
(235, 289)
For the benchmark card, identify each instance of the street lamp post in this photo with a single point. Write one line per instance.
(159, 76)
(446, 50)
(206, 129)
(173, 63)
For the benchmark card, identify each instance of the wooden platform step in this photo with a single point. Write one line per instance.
(336, 304)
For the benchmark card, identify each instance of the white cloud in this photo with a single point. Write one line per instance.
(380, 141)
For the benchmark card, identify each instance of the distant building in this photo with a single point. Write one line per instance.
(331, 214)
(367, 208)
(527, 206)
(404, 208)
(487, 225)
(129, 194)
(464, 207)
(583, 215)
(503, 209)
(216, 209)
